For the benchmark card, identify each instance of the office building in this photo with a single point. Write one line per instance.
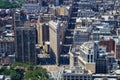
(17, 21)
(100, 30)
(101, 64)
(84, 55)
(86, 13)
(43, 33)
(80, 37)
(7, 45)
(109, 43)
(25, 40)
(54, 29)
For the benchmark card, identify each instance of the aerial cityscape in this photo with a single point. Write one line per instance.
(59, 39)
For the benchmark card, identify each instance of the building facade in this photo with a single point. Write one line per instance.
(7, 45)
(76, 74)
(54, 28)
(25, 40)
(43, 33)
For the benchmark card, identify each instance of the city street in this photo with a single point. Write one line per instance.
(68, 40)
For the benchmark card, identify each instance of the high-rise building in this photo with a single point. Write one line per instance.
(54, 28)
(43, 33)
(25, 40)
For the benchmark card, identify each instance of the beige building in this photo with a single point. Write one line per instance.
(54, 29)
(42, 31)
(76, 60)
(84, 56)
(61, 10)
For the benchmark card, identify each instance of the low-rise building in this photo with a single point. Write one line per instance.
(76, 74)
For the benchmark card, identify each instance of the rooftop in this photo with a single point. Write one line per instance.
(54, 24)
(7, 39)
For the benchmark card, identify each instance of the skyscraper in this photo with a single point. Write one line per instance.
(54, 29)
(43, 33)
(25, 40)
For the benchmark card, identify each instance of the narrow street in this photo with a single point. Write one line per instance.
(68, 40)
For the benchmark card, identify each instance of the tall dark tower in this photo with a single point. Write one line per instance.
(25, 40)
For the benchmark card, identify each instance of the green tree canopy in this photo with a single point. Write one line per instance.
(37, 74)
(32, 73)
(7, 4)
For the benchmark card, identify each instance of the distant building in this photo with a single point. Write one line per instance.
(106, 63)
(109, 43)
(80, 37)
(31, 7)
(7, 45)
(11, 59)
(62, 11)
(86, 13)
(100, 30)
(31, 1)
(17, 21)
(25, 40)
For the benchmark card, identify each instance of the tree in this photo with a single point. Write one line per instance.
(21, 72)
(37, 74)
(7, 4)
(14, 75)
(32, 73)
